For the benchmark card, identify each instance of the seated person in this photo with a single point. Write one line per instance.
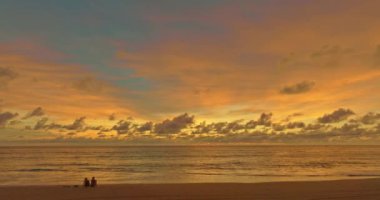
(86, 182)
(94, 182)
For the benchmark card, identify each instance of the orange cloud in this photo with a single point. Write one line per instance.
(247, 60)
(64, 90)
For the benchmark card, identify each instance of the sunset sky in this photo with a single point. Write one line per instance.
(200, 71)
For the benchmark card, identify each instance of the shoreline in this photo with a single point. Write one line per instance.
(334, 189)
(353, 178)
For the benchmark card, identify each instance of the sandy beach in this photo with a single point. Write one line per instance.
(367, 189)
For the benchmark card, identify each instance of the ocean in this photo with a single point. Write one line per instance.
(185, 164)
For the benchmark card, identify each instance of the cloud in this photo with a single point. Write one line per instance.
(234, 126)
(221, 127)
(202, 128)
(315, 127)
(6, 75)
(78, 124)
(51, 82)
(123, 127)
(265, 119)
(278, 127)
(264, 129)
(293, 125)
(290, 125)
(251, 124)
(14, 122)
(370, 118)
(184, 59)
(5, 117)
(289, 117)
(41, 124)
(89, 84)
(112, 117)
(148, 126)
(337, 116)
(175, 125)
(37, 112)
(348, 127)
(298, 88)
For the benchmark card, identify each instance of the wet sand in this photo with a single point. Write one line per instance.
(368, 189)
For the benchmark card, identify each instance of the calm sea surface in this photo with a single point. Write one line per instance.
(69, 165)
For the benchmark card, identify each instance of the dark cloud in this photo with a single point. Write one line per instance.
(348, 127)
(89, 84)
(78, 124)
(6, 75)
(370, 118)
(346, 133)
(290, 125)
(298, 88)
(112, 117)
(337, 116)
(202, 128)
(314, 127)
(41, 124)
(37, 112)
(6, 72)
(123, 127)
(235, 126)
(148, 126)
(278, 127)
(71, 133)
(54, 126)
(96, 128)
(5, 117)
(251, 124)
(174, 125)
(265, 119)
(293, 125)
(219, 126)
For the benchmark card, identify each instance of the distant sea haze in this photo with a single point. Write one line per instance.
(185, 164)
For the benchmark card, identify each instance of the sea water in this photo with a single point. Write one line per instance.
(185, 164)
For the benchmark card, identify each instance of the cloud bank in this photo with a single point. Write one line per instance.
(339, 126)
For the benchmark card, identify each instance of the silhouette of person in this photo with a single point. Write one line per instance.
(94, 182)
(86, 182)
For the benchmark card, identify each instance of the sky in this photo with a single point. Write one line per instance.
(200, 71)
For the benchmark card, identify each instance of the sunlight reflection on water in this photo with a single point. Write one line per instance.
(164, 164)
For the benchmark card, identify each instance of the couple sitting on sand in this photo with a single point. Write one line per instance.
(86, 182)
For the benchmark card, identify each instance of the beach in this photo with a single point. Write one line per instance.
(367, 189)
